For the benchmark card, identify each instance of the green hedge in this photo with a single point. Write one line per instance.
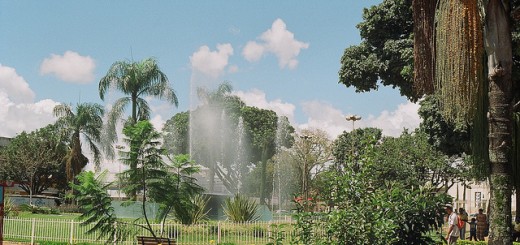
(466, 242)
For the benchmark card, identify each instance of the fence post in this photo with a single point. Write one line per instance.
(218, 232)
(71, 240)
(33, 230)
(269, 229)
(115, 233)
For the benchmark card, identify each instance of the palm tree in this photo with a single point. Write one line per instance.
(461, 39)
(135, 80)
(85, 123)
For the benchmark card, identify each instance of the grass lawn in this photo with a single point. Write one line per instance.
(66, 216)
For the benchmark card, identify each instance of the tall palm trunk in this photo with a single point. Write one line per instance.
(497, 38)
(134, 108)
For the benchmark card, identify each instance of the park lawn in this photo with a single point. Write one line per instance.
(65, 216)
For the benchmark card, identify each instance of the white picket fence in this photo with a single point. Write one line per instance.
(73, 232)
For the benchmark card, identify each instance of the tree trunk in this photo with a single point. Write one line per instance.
(499, 54)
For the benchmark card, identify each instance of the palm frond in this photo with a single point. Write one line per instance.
(143, 109)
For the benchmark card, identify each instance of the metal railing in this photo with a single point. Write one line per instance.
(217, 232)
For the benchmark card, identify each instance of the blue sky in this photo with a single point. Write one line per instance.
(279, 55)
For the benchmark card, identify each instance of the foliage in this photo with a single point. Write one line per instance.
(9, 208)
(216, 137)
(136, 80)
(412, 161)
(176, 134)
(278, 234)
(178, 191)
(35, 160)
(143, 157)
(385, 54)
(261, 127)
(348, 145)
(92, 195)
(84, 123)
(240, 209)
(371, 211)
(311, 150)
(449, 137)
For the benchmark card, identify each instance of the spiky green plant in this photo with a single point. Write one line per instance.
(241, 209)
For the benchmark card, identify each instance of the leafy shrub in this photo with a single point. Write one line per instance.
(240, 209)
(466, 242)
(9, 208)
(70, 208)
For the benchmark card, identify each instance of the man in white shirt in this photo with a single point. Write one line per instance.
(453, 229)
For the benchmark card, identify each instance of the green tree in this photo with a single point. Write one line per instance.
(84, 123)
(35, 160)
(348, 145)
(482, 28)
(213, 136)
(450, 138)
(410, 160)
(385, 54)
(176, 134)
(136, 80)
(311, 150)
(374, 210)
(144, 158)
(261, 127)
(178, 191)
(92, 195)
(433, 55)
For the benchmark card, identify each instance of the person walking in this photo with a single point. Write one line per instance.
(463, 215)
(481, 225)
(473, 229)
(453, 229)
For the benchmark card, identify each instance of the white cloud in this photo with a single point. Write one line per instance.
(253, 51)
(233, 69)
(393, 122)
(14, 85)
(324, 116)
(278, 41)
(70, 67)
(257, 98)
(18, 111)
(211, 63)
(158, 122)
(16, 118)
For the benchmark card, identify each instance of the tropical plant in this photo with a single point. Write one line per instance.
(453, 66)
(240, 209)
(177, 190)
(92, 195)
(135, 80)
(458, 76)
(144, 157)
(84, 123)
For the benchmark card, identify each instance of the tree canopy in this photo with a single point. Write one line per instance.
(35, 160)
